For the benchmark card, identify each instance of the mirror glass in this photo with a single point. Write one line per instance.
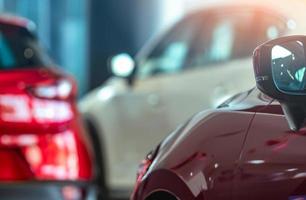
(122, 65)
(289, 66)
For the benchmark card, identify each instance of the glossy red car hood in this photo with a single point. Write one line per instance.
(214, 128)
(209, 141)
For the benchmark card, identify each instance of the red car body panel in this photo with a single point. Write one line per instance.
(244, 150)
(272, 164)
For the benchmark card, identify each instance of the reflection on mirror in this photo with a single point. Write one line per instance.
(289, 67)
(122, 65)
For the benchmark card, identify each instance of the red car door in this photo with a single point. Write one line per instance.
(272, 164)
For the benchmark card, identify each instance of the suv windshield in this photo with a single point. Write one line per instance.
(20, 49)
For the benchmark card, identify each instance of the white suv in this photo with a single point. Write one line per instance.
(197, 64)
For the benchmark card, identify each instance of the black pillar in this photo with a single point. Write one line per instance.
(109, 34)
(117, 26)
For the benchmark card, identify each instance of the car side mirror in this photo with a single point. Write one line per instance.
(122, 65)
(280, 69)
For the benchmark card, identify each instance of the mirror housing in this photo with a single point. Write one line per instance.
(279, 67)
(122, 65)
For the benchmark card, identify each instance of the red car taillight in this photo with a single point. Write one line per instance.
(60, 89)
(31, 111)
(40, 157)
(142, 169)
(41, 137)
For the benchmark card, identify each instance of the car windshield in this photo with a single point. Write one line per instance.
(20, 49)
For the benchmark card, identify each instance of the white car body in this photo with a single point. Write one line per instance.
(132, 119)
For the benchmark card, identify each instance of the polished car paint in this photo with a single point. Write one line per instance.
(251, 155)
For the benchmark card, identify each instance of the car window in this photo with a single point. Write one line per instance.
(215, 42)
(20, 49)
(170, 54)
(205, 39)
(233, 36)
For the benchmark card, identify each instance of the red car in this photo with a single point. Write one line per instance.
(44, 152)
(253, 147)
